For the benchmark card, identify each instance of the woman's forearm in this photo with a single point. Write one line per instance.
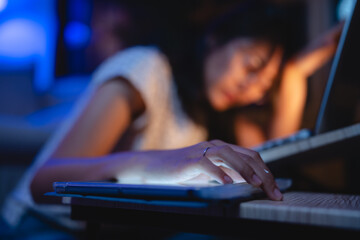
(79, 169)
(289, 104)
(290, 101)
(161, 166)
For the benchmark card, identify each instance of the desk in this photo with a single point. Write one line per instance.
(300, 214)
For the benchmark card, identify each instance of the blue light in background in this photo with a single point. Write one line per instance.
(22, 38)
(3, 4)
(77, 34)
(28, 32)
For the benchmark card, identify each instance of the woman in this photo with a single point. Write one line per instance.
(289, 94)
(133, 101)
(259, 76)
(132, 125)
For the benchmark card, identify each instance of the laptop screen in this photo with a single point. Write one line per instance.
(340, 106)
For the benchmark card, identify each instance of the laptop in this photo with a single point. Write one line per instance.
(339, 115)
(212, 191)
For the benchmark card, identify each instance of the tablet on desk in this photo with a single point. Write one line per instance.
(211, 192)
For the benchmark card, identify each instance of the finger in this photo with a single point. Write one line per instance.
(214, 171)
(236, 161)
(252, 157)
(272, 190)
(268, 185)
(228, 170)
(262, 172)
(249, 165)
(237, 178)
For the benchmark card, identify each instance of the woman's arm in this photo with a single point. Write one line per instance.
(106, 116)
(222, 162)
(290, 102)
(248, 134)
(102, 121)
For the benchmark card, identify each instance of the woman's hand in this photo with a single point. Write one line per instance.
(317, 53)
(215, 159)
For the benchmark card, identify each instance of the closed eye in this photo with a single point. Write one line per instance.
(254, 63)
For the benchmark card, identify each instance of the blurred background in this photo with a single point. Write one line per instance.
(49, 49)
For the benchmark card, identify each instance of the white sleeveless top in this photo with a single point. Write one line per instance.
(163, 125)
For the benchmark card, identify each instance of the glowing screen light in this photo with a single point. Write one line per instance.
(28, 32)
(21, 38)
(344, 8)
(3, 4)
(77, 34)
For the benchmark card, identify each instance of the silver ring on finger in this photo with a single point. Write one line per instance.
(204, 152)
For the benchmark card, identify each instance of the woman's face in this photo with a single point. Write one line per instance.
(240, 73)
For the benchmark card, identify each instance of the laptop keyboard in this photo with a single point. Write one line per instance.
(300, 135)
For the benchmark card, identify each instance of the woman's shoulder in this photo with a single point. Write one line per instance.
(133, 62)
(141, 49)
(144, 53)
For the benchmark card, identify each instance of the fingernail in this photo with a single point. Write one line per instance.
(228, 179)
(277, 194)
(256, 180)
